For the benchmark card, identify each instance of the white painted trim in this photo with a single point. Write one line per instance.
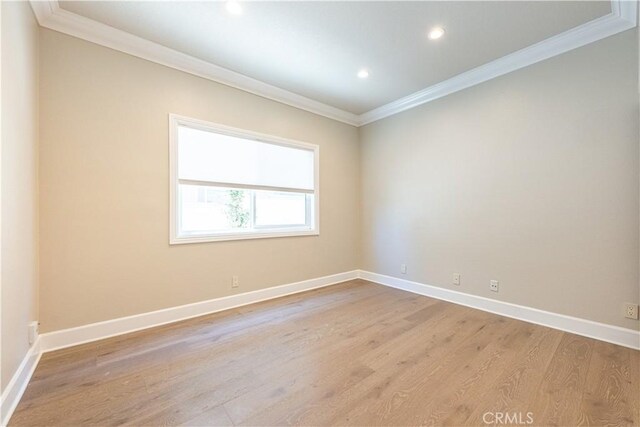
(18, 384)
(600, 331)
(96, 331)
(271, 234)
(174, 239)
(50, 15)
(622, 18)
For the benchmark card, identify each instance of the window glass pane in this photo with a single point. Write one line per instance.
(213, 157)
(211, 209)
(278, 208)
(231, 184)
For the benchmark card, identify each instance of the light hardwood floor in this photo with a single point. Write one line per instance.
(350, 354)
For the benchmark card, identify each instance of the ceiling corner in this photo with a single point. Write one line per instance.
(51, 16)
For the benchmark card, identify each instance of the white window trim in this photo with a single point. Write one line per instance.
(174, 239)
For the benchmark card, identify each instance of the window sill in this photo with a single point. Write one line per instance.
(241, 236)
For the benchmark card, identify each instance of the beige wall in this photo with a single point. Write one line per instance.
(530, 179)
(105, 191)
(19, 275)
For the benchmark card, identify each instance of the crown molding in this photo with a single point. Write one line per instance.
(623, 17)
(50, 15)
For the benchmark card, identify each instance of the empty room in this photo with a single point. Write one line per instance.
(319, 213)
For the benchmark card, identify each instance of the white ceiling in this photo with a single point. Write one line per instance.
(315, 49)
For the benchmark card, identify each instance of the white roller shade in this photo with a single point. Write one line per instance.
(213, 157)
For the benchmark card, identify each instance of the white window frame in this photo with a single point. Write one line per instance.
(287, 231)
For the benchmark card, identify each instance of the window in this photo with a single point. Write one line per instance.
(229, 184)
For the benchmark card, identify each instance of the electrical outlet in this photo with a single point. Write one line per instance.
(631, 311)
(456, 278)
(235, 282)
(494, 285)
(33, 332)
(403, 268)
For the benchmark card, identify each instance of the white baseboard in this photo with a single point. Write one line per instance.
(18, 384)
(600, 331)
(97, 331)
(123, 325)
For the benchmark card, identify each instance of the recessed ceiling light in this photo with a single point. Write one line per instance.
(363, 74)
(436, 33)
(234, 7)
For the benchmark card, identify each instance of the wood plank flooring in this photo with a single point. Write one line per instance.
(356, 353)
